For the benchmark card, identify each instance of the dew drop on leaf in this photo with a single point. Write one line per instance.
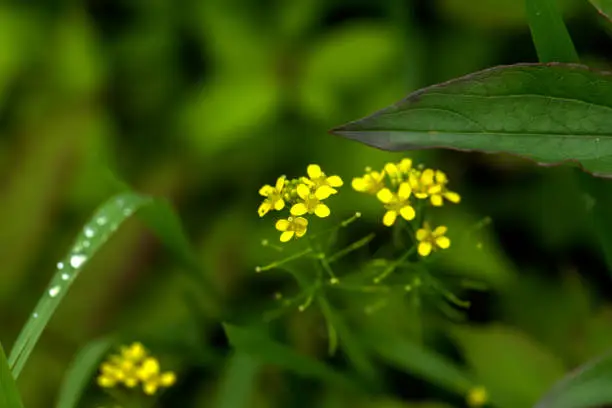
(77, 260)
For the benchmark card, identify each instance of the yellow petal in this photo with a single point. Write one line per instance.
(407, 213)
(452, 197)
(279, 204)
(299, 209)
(405, 165)
(303, 191)
(266, 190)
(300, 233)
(335, 181)
(314, 171)
(427, 177)
(282, 225)
(264, 208)
(150, 387)
(130, 382)
(404, 191)
(323, 192)
(286, 236)
(421, 234)
(420, 195)
(391, 169)
(359, 184)
(424, 248)
(441, 177)
(439, 231)
(389, 218)
(322, 211)
(106, 381)
(167, 379)
(280, 183)
(436, 200)
(435, 189)
(301, 222)
(385, 195)
(443, 242)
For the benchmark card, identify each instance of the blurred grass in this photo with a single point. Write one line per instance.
(204, 103)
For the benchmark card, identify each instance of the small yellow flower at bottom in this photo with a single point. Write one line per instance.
(431, 240)
(477, 397)
(396, 204)
(151, 377)
(292, 227)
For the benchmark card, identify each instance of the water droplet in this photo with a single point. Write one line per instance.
(120, 202)
(77, 260)
(101, 220)
(89, 232)
(128, 211)
(65, 276)
(60, 265)
(86, 244)
(54, 291)
(35, 315)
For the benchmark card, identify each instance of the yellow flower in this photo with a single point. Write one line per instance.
(151, 377)
(292, 227)
(432, 183)
(311, 202)
(371, 183)
(131, 367)
(135, 352)
(398, 172)
(274, 197)
(317, 180)
(477, 397)
(431, 240)
(438, 191)
(396, 204)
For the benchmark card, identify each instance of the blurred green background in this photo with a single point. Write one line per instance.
(202, 102)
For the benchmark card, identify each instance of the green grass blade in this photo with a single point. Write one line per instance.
(156, 213)
(81, 371)
(9, 395)
(550, 36)
(258, 345)
(604, 7)
(105, 221)
(239, 381)
(587, 386)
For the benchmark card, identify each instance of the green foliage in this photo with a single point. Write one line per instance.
(9, 394)
(82, 370)
(552, 41)
(548, 113)
(586, 386)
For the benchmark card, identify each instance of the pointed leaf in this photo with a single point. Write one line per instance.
(80, 373)
(257, 344)
(551, 113)
(587, 386)
(238, 382)
(9, 394)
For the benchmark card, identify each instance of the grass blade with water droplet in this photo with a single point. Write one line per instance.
(9, 395)
(82, 369)
(96, 232)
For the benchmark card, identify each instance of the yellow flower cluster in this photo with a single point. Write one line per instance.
(133, 366)
(303, 196)
(477, 397)
(395, 186)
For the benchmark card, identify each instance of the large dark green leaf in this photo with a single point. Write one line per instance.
(550, 113)
(604, 7)
(587, 386)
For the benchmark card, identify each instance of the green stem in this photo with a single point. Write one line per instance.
(394, 265)
(353, 247)
(284, 261)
